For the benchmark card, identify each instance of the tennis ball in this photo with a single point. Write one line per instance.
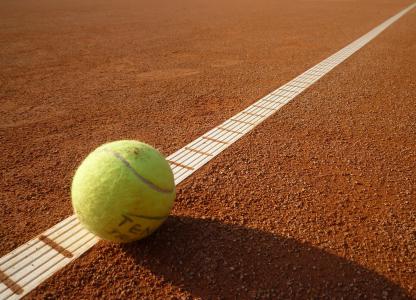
(123, 191)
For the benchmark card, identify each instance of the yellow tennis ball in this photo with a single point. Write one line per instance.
(123, 191)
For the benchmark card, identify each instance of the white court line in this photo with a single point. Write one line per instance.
(23, 269)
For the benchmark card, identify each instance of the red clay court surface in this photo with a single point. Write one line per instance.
(318, 201)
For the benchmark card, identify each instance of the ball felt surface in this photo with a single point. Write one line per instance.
(123, 191)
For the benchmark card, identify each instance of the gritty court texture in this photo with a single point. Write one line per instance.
(318, 200)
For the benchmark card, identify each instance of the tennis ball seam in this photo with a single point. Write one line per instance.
(156, 218)
(150, 184)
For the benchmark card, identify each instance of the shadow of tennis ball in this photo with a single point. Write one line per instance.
(210, 259)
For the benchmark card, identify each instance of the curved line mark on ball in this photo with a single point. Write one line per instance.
(144, 180)
(148, 217)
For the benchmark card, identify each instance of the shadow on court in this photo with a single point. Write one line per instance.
(210, 259)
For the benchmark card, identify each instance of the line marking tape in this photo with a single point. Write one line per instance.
(23, 269)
